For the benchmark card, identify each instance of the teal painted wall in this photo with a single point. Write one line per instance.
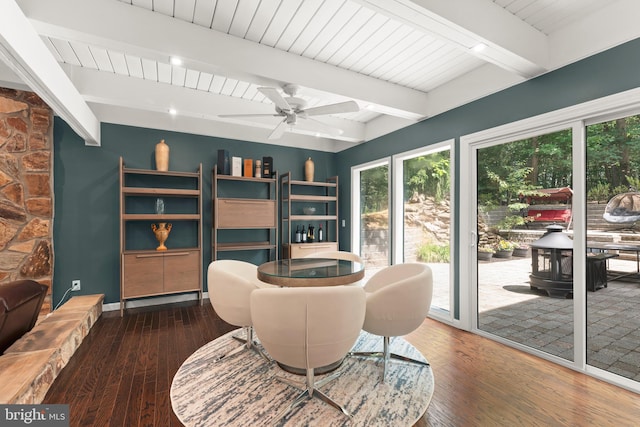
(86, 231)
(86, 225)
(607, 73)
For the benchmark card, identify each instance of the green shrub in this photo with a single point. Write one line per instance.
(633, 182)
(430, 252)
(619, 190)
(599, 192)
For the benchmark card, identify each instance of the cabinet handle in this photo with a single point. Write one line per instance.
(247, 201)
(162, 254)
(314, 247)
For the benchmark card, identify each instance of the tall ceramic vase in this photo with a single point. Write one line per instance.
(161, 231)
(162, 156)
(309, 170)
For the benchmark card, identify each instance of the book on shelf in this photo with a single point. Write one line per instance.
(236, 166)
(248, 168)
(267, 167)
(223, 162)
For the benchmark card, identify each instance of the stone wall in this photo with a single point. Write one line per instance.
(26, 189)
(426, 221)
(374, 247)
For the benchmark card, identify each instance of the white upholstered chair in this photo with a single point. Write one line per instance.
(230, 285)
(398, 301)
(308, 328)
(349, 256)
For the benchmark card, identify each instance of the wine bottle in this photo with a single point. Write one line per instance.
(310, 236)
(304, 235)
(320, 233)
(298, 237)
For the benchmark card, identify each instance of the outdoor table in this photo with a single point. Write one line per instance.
(624, 247)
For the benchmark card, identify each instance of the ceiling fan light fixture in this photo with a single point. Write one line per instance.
(291, 108)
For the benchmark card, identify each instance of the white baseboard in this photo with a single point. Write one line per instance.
(147, 302)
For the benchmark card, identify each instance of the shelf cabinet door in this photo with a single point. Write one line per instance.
(304, 249)
(246, 213)
(181, 271)
(143, 275)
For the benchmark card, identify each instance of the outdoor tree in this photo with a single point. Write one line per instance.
(374, 185)
(428, 175)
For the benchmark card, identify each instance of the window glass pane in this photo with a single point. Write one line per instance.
(374, 218)
(427, 214)
(526, 295)
(613, 246)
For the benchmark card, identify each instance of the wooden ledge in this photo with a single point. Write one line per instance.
(31, 364)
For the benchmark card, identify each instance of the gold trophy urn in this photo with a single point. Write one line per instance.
(161, 231)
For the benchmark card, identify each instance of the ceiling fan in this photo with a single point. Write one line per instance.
(292, 108)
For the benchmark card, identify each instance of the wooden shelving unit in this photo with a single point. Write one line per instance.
(147, 272)
(232, 211)
(294, 196)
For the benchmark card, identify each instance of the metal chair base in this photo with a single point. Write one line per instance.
(249, 344)
(310, 391)
(386, 355)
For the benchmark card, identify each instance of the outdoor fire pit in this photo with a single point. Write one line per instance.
(552, 263)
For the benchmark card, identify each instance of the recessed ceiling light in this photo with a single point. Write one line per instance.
(176, 61)
(173, 111)
(479, 47)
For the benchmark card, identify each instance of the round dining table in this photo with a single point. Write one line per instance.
(306, 272)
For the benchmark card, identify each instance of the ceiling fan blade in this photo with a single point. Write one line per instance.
(340, 107)
(248, 115)
(279, 130)
(326, 128)
(275, 97)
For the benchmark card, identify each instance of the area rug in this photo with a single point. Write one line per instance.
(242, 390)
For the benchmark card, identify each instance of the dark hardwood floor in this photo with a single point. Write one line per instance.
(122, 372)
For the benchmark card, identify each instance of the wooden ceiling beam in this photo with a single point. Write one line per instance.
(24, 52)
(143, 33)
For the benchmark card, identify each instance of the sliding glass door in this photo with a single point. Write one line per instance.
(565, 186)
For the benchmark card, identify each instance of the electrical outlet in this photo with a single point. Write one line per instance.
(75, 285)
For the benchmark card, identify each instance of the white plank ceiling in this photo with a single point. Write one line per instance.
(400, 60)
